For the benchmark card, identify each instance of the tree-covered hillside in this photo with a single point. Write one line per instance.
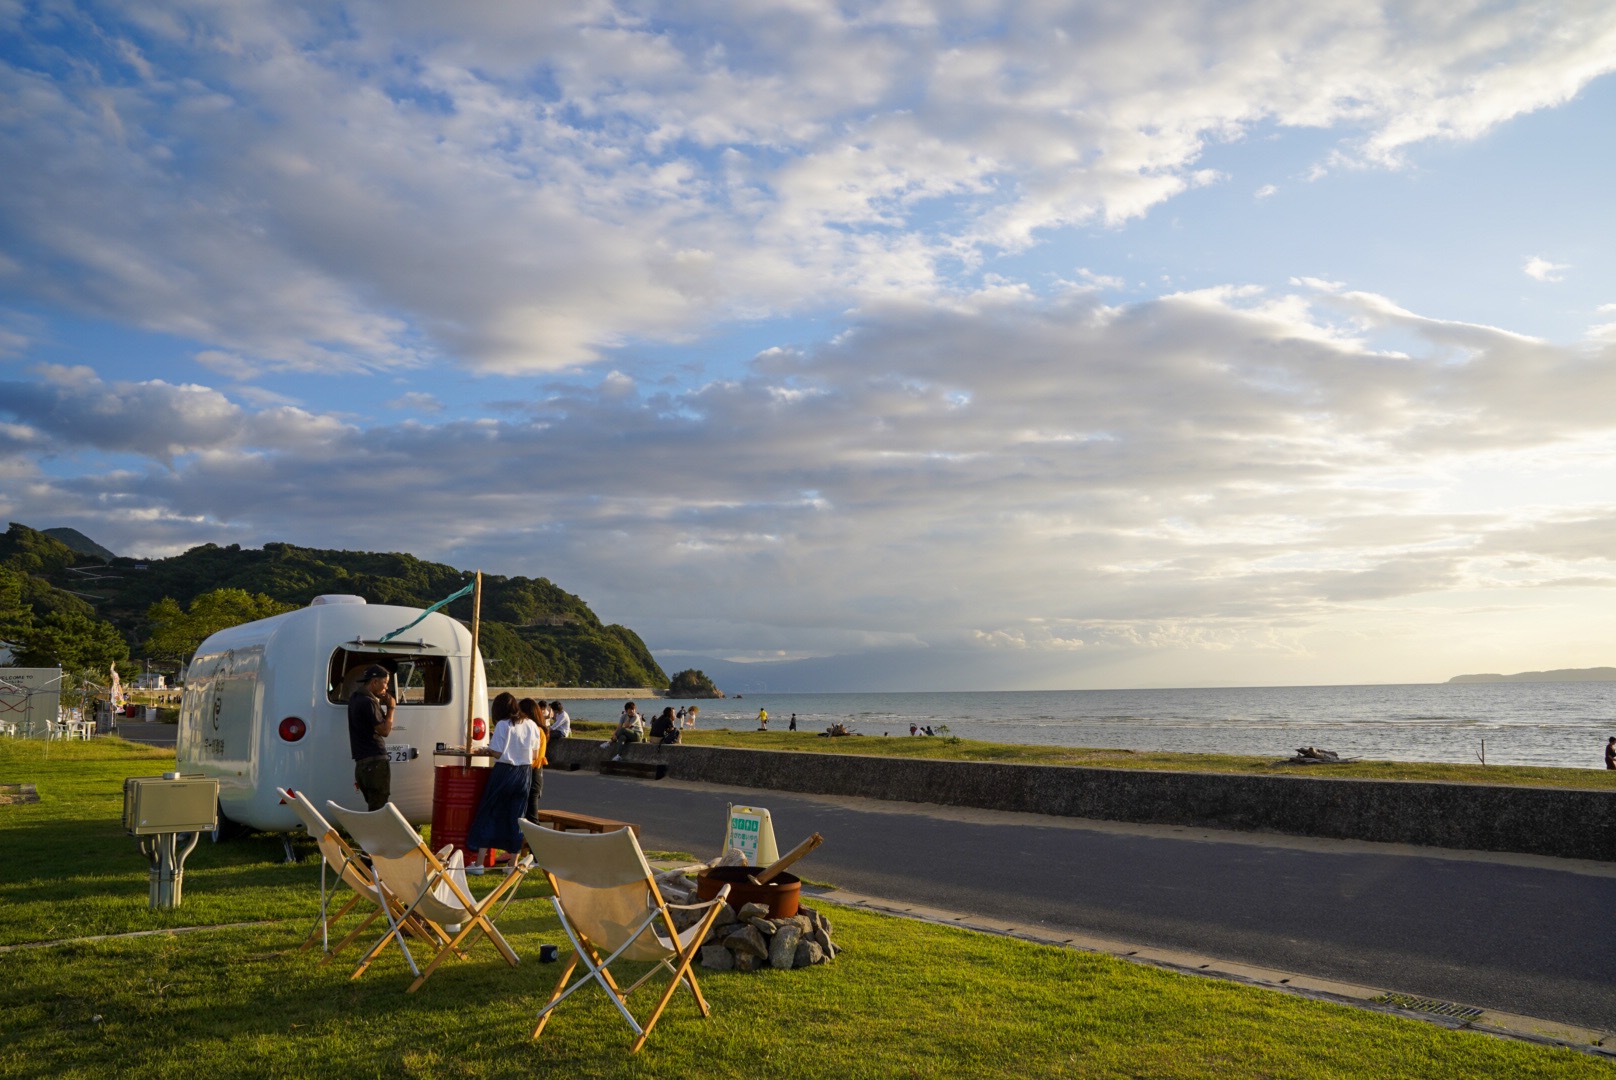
(533, 632)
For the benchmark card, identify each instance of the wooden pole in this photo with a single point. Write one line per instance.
(471, 690)
(770, 872)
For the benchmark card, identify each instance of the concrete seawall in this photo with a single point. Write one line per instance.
(1537, 821)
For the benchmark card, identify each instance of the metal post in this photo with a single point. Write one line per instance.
(167, 875)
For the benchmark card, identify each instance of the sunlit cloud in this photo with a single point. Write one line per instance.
(1544, 270)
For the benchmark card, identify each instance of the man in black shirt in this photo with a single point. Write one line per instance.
(370, 721)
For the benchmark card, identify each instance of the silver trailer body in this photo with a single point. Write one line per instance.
(266, 706)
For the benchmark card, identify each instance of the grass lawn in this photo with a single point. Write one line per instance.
(958, 749)
(905, 999)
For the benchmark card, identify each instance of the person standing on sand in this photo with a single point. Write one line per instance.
(763, 719)
(793, 725)
(1610, 753)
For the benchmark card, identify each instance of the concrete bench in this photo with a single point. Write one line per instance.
(566, 821)
(643, 770)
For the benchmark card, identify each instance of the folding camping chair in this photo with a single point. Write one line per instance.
(336, 854)
(609, 902)
(427, 887)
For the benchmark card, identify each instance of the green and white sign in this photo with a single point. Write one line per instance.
(751, 829)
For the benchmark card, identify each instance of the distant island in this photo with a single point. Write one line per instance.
(1585, 674)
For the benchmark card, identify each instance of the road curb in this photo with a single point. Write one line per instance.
(1601, 1044)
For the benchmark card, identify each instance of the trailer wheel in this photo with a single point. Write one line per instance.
(227, 828)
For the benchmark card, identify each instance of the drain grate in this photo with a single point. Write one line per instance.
(1428, 1005)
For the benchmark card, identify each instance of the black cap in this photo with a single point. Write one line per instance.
(376, 671)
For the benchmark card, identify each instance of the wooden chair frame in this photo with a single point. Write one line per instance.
(678, 949)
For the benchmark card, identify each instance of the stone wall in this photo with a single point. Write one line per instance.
(1540, 821)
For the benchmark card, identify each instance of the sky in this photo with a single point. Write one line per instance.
(968, 345)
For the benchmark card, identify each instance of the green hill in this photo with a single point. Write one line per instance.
(533, 632)
(79, 542)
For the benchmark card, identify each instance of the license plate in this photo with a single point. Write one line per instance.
(400, 752)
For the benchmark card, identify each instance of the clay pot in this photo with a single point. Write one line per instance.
(782, 894)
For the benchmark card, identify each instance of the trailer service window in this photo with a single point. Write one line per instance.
(417, 680)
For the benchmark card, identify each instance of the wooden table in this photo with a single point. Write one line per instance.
(566, 821)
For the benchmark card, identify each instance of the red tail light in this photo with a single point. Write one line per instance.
(293, 728)
(479, 728)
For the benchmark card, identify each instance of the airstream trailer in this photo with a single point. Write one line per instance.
(266, 706)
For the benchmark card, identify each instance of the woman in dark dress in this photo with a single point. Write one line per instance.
(515, 743)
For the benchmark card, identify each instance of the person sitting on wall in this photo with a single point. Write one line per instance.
(630, 729)
(663, 724)
(370, 721)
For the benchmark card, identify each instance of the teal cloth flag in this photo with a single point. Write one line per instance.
(446, 600)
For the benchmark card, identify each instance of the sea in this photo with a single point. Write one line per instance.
(1561, 724)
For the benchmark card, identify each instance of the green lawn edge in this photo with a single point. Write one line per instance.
(954, 748)
(906, 998)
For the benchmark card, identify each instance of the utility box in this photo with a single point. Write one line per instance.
(159, 810)
(171, 803)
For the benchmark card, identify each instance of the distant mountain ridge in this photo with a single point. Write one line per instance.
(80, 543)
(1586, 674)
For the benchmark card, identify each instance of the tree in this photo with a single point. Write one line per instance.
(176, 634)
(72, 641)
(16, 617)
(691, 683)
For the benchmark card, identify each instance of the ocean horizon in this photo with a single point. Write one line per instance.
(1563, 724)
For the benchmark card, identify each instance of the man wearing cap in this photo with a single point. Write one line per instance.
(370, 721)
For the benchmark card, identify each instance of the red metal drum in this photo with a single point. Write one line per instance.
(456, 792)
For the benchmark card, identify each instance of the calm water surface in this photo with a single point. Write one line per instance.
(1563, 724)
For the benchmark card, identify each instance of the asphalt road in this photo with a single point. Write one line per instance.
(1516, 935)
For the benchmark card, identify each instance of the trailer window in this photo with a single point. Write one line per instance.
(415, 680)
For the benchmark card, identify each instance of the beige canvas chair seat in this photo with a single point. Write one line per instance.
(609, 903)
(428, 887)
(337, 856)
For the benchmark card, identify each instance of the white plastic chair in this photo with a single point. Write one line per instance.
(609, 903)
(425, 885)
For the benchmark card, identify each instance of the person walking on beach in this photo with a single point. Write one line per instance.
(793, 725)
(763, 719)
(1610, 753)
(370, 721)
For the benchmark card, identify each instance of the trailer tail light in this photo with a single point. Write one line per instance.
(479, 728)
(293, 728)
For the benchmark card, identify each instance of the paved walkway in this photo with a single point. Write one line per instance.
(1510, 934)
(154, 734)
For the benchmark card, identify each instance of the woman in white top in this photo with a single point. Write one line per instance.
(516, 742)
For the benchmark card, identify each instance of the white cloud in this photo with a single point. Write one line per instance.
(520, 188)
(1266, 191)
(1544, 270)
(1208, 471)
(415, 401)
